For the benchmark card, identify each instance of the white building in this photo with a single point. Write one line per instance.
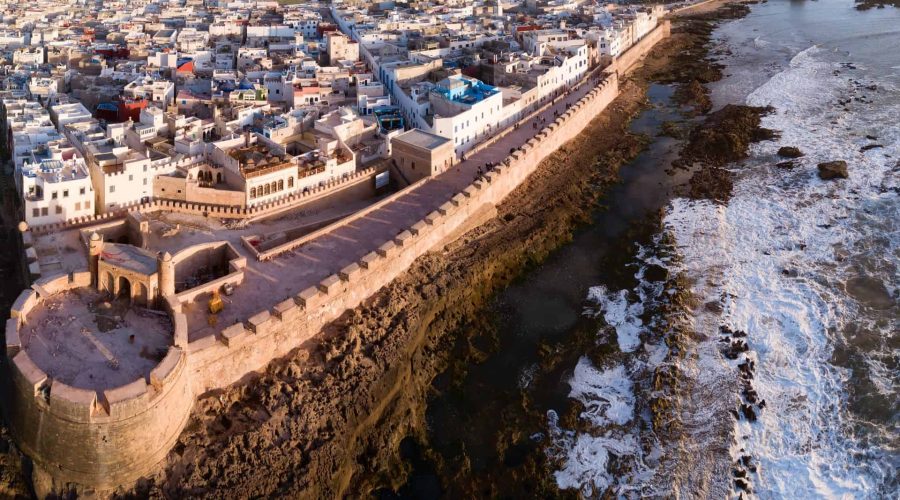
(465, 110)
(64, 114)
(160, 92)
(56, 190)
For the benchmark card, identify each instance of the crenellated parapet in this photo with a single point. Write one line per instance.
(282, 203)
(101, 438)
(110, 437)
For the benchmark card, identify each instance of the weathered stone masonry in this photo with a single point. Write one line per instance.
(76, 435)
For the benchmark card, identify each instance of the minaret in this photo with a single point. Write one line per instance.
(95, 247)
(166, 275)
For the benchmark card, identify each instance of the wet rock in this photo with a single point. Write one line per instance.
(789, 152)
(671, 129)
(694, 94)
(724, 137)
(833, 170)
(735, 349)
(787, 165)
(655, 273)
(711, 184)
(751, 396)
(713, 307)
(870, 146)
(748, 413)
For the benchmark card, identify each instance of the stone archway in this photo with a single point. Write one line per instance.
(124, 288)
(110, 284)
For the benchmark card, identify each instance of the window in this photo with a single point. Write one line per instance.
(145, 168)
(44, 211)
(77, 205)
(87, 204)
(290, 182)
(81, 191)
(112, 189)
(130, 177)
(268, 189)
(145, 181)
(35, 212)
(54, 195)
(252, 192)
(65, 193)
(280, 185)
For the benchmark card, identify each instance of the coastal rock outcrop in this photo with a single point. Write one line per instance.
(724, 137)
(833, 170)
(789, 152)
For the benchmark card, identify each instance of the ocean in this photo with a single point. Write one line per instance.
(777, 313)
(805, 271)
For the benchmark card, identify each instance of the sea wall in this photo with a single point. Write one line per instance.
(216, 362)
(627, 60)
(97, 438)
(112, 437)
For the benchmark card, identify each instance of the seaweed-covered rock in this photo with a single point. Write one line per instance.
(833, 170)
(789, 152)
(711, 184)
(725, 136)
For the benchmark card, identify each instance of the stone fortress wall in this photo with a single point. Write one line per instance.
(102, 439)
(219, 362)
(110, 439)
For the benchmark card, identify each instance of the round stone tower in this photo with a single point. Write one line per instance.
(166, 275)
(95, 246)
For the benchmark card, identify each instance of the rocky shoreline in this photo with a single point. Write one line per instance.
(329, 419)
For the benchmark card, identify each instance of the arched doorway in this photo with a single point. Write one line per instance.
(218, 177)
(124, 288)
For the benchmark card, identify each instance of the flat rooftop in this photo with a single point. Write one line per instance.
(422, 139)
(129, 257)
(257, 158)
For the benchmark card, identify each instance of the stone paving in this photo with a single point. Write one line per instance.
(82, 340)
(269, 282)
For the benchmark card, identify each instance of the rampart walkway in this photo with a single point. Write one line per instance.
(268, 282)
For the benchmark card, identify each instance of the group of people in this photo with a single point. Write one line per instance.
(483, 169)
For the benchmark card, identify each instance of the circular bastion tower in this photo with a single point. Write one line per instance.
(97, 388)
